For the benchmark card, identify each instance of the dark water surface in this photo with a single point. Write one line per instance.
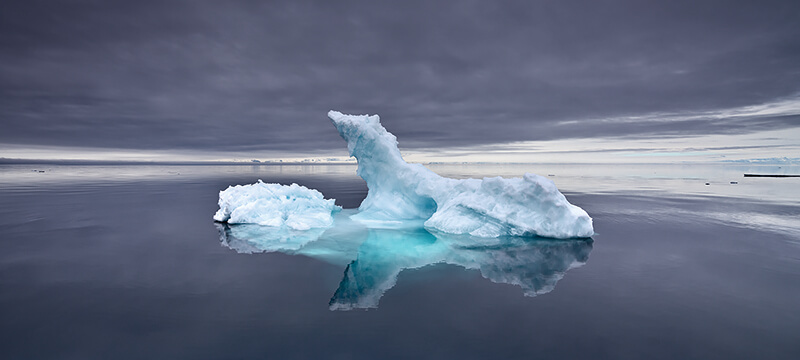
(125, 263)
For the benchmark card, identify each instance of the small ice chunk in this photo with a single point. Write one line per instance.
(292, 206)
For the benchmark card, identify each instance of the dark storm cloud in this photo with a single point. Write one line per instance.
(259, 75)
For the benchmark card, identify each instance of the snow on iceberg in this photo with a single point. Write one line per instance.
(491, 207)
(291, 207)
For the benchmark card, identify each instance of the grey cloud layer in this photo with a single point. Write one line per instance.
(258, 75)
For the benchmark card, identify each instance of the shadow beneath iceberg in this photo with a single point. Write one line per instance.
(374, 256)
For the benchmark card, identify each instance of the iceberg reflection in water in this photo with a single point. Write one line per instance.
(374, 255)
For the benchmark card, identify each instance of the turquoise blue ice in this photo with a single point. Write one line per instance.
(373, 257)
(489, 207)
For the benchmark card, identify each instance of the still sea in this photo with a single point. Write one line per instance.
(126, 262)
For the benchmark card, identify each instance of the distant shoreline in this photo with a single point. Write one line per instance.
(174, 163)
(9, 161)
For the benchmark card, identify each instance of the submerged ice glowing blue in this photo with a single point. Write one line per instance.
(373, 257)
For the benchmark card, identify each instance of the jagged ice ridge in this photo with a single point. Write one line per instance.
(489, 207)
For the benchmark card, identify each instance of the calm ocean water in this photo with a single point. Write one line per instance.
(125, 262)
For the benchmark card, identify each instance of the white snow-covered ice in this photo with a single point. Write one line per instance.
(292, 207)
(399, 191)
(489, 207)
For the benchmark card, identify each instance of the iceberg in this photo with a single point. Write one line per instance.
(290, 207)
(399, 191)
(489, 207)
(411, 218)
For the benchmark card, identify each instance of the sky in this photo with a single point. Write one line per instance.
(505, 81)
